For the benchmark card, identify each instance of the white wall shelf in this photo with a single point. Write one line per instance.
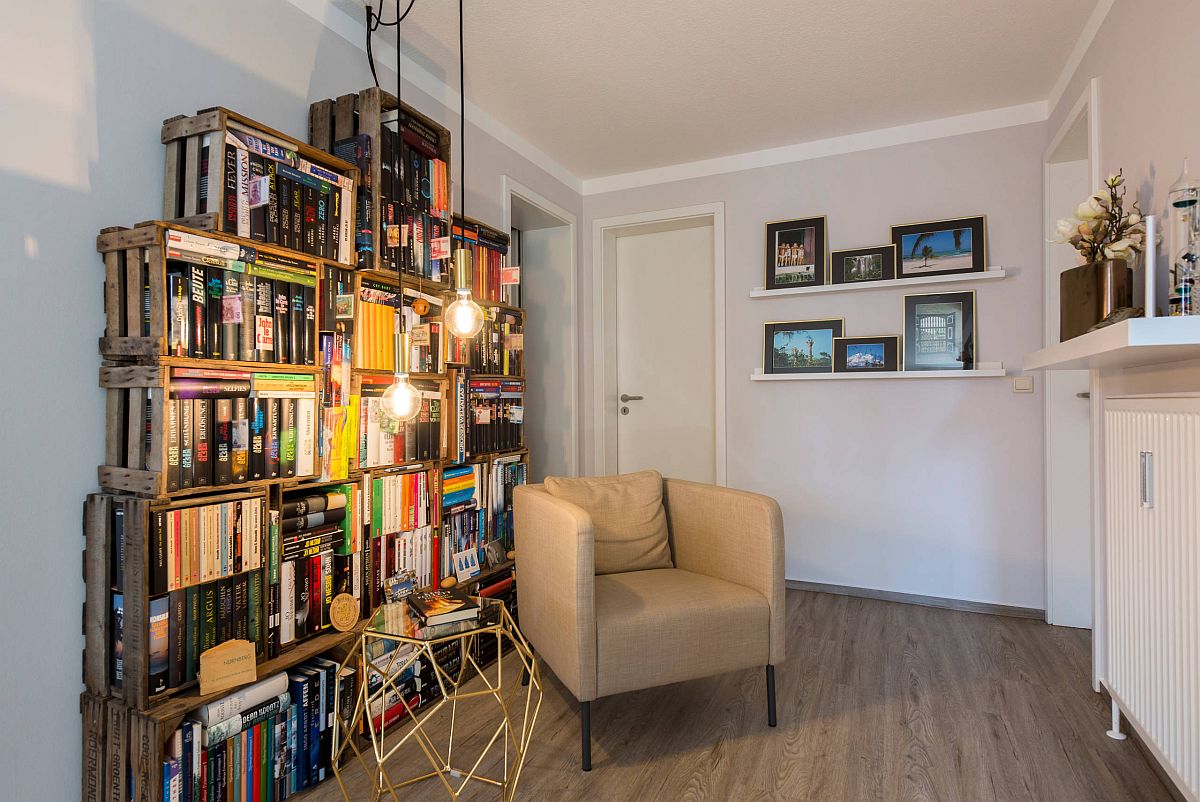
(1128, 344)
(991, 274)
(986, 370)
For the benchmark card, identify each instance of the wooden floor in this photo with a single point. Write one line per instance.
(877, 701)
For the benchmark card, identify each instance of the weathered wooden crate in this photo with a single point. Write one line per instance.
(136, 293)
(195, 180)
(333, 120)
(136, 428)
(112, 522)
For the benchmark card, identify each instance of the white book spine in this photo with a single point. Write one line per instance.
(287, 602)
(245, 699)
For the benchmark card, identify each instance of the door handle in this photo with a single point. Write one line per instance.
(627, 398)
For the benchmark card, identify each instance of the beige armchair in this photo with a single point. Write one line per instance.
(720, 608)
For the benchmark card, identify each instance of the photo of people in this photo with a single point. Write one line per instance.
(795, 253)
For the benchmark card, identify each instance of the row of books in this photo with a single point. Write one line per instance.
(185, 623)
(489, 260)
(273, 195)
(506, 474)
(415, 197)
(267, 741)
(192, 545)
(496, 415)
(498, 349)
(254, 315)
(414, 682)
(226, 428)
(385, 441)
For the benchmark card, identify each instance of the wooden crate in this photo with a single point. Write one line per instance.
(485, 288)
(381, 379)
(102, 538)
(105, 746)
(195, 181)
(137, 406)
(333, 120)
(136, 293)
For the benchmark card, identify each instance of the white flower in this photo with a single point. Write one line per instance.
(1134, 218)
(1065, 229)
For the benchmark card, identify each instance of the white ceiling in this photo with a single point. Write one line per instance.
(612, 86)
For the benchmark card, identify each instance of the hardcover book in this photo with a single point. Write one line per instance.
(443, 606)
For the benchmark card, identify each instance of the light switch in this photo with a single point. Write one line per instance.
(1022, 384)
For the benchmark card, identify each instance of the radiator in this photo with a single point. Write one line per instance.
(1152, 525)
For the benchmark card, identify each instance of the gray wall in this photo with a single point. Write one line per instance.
(85, 90)
(931, 487)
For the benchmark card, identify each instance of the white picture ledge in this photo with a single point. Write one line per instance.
(991, 274)
(985, 370)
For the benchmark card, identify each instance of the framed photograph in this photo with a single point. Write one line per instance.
(877, 263)
(866, 354)
(801, 346)
(795, 253)
(939, 331)
(941, 247)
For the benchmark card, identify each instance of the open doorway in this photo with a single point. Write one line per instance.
(1070, 174)
(543, 245)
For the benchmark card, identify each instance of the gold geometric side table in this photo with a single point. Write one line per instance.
(517, 695)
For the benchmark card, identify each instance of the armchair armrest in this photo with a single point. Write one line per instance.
(556, 576)
(731, 535)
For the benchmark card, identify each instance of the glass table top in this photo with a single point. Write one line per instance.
(396, 620)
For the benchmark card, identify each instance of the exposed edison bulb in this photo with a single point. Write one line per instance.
(464, 317)
(401, 401)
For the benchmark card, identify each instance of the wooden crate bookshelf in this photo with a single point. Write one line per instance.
(479, 237)
(363, 113)
(136, 296)
(196, 184)
(136, 451)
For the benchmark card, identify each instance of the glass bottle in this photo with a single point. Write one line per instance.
(1183, 237)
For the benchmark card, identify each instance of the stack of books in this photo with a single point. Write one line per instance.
(442, 606)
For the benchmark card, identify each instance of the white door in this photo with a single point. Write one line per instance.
(1068, 421)
(664, 351)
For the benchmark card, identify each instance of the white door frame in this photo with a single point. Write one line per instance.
(604, 234)
(509, 187)
(1087, 103)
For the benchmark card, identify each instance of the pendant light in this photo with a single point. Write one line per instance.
(401, 401)
(463, 317)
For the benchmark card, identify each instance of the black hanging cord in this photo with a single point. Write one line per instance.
(373, 22)
(462, 119)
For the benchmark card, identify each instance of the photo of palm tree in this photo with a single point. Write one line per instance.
(935, 251)
(801, 346)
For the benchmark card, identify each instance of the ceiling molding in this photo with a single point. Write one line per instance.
(1086, 37)
(821, 148)
(353, 31)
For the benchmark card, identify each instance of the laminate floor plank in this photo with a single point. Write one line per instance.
(878, 702)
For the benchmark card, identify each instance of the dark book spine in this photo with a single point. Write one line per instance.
(177, 632)
(209, 613)
(258, 214)
(316, 594)
(198, 312)
(241, 440)
(215, 291)
(186, 446)
(264, 320)
(310, 325)
(283, 324)
(272, 445)
(284, 193)
(224, 610)
(191, 659)
(118, 547)
(222, 441)
(201, 457)
(159, 642)
(309, 216)
(287, 437)
(231, 304)
(173, 445)
(335, 224)
(322, 223)
(258, 439)
(229, 221)
(241, 607)
(272, 203)
(202, 196)
(297, 216)
(296, 321)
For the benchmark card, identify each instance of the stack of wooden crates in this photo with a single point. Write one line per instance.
(125, 728)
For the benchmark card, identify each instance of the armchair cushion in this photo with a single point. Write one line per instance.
(628, 520)
(662, 626)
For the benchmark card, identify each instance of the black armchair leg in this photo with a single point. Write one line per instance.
(770, 696)
(585, 732)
